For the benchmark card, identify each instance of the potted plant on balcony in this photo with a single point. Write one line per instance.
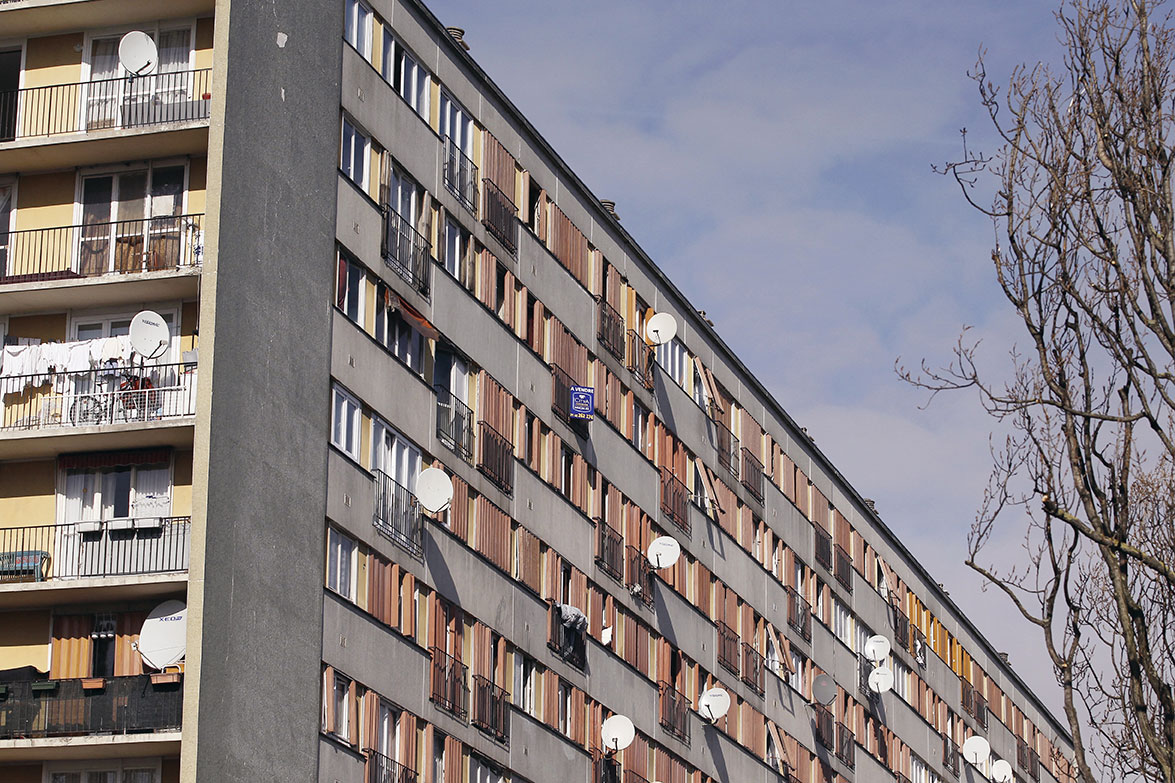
(93, 683)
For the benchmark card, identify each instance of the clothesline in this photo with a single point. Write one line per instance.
(40, 361)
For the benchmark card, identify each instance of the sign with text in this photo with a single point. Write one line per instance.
(583, 402)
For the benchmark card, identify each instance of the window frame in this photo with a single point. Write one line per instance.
(339, 393)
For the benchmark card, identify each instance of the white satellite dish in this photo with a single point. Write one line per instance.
(661, 328)
(149, 334)
(137, 53)
(976, 750)
(1001, 771)
(617, 733)
(713, 704)
(877, 648)
(881, 680)
(434, 490)
(824, 689)
(664, 551)
(163, 639)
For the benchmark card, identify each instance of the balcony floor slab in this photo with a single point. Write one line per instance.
(163, 743)
(26, 595)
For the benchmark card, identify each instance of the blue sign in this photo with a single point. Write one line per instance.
(583, 402)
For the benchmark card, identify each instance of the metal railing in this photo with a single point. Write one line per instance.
(500, 216)
(726, 443)
(491, 709)
(752, 475)
(405, 251)
(864, 669)
(96, 397)
(674, 499)
(609, 550)
(460, 175)
(632, 777)
(799, 614)
(728, 648)
(845, 749)
(142, 101)
(95, 249)
(495, 457)
(674, 712)
(844, 569)
(568, 643)
(397, 513)
(901, 629)
(1027, 758)
(825, 726)
(112, 547)
(974, 704)
(640, 576)
(63, 708)
(449, 691)
(823, 547)
(381, 769)
(605, 769)
(754, 667)
(454, 424)
(950, 755)
(561, 393)
(610, 330)
(640, 359)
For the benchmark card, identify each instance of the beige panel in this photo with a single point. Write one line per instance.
(45, 200)
(27, 493)
(189, 317)
(197, 185)
(204, 28)
(50, 326)
(25, 641)
(26, 774)
(181, 493)
(56, 59)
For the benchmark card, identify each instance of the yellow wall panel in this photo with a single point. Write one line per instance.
(45, 200)
(56, 59)
(50, 326)
(181, 494)
(27, 493)
(204, 28)
(25, 641)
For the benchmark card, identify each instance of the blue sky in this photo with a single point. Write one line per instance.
(775, 159)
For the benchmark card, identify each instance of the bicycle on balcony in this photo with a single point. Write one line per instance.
(134, 400)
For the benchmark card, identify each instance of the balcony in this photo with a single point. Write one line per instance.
(381, 769)
(495, 457)
(640, 576)
(90, 398)
(33, 709)
(121, 247)
(107, 104)
(799, 614)
(113, 547)
(864, 669)
(605, 769)
(1027, 759)
(845, 747)
(950, 755)
(728, 648)
(674, 499)
(609, 550)
(397, 514)
(752, 475)
(825, 726)
(823, 545)
(406, 252)
(754, 667)
(901, 629)
(565, 638)
(844, 569)
(491, 709)
(610, 330)
(561, 394)
(974, 704)
(454, 424)
(449, 691)
(500, 217)
(460, 175)
(673, 712)
(640, 359)
(727, 445)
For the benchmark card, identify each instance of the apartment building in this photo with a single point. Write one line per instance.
(371, 265)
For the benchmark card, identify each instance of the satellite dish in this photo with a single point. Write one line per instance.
(713, 704)
(149, 334)
(617, 733)
(434, 490)
(664, 551)
(881, 680)
(137, 53)
(877, 648)
(661, 328)
(1001, 771)
(163, 639)
(976, 750)
(824, 689)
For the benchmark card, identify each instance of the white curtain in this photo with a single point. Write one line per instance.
(152, 492)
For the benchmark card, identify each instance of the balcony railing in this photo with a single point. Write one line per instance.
(901, 629)
(823, 545)
(96, 397)
(454, 424)
(95, 249)
(728, 648)
(974, 704)
(491, 709)
(752, 475)
(610, 331)
(156, 99)
(500, 216)
(397, 514)
(609, 550)
(495, 458)
(381, 769)
(825, 726)
(674, 712)
(561, 393)
(799, 614)
(113, 547)
(566, 642)
(460, 175)
(632, 777)
(449, 691)
(1027, 759)
(844, 569)
(950, 755)
(605, 769)
(727, 445)
(640, 576)
(63, 708)
(406, 252)
(753, 669)
(674, 499)
(864, 669)
(845, 749)
(640, 359)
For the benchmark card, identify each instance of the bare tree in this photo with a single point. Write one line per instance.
(1079, 191)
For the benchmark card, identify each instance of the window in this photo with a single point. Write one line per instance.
(456, 124)
(345, 423)
(355, 154)
(901, 678)
(527, 677)
(842, 622)
(357, 26)
(387, 739)
(564, 708)
(350, 285)
(394, 455)
(671, 356)
(796, 679)
(111, 101)
(566, 469)
(398, 335)
(640, 424)
(438, 756)
(406, 75)
(340, 563)
(481, 771)
(144, 770)
(456, 246)
(115, 493)
(342, 704)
